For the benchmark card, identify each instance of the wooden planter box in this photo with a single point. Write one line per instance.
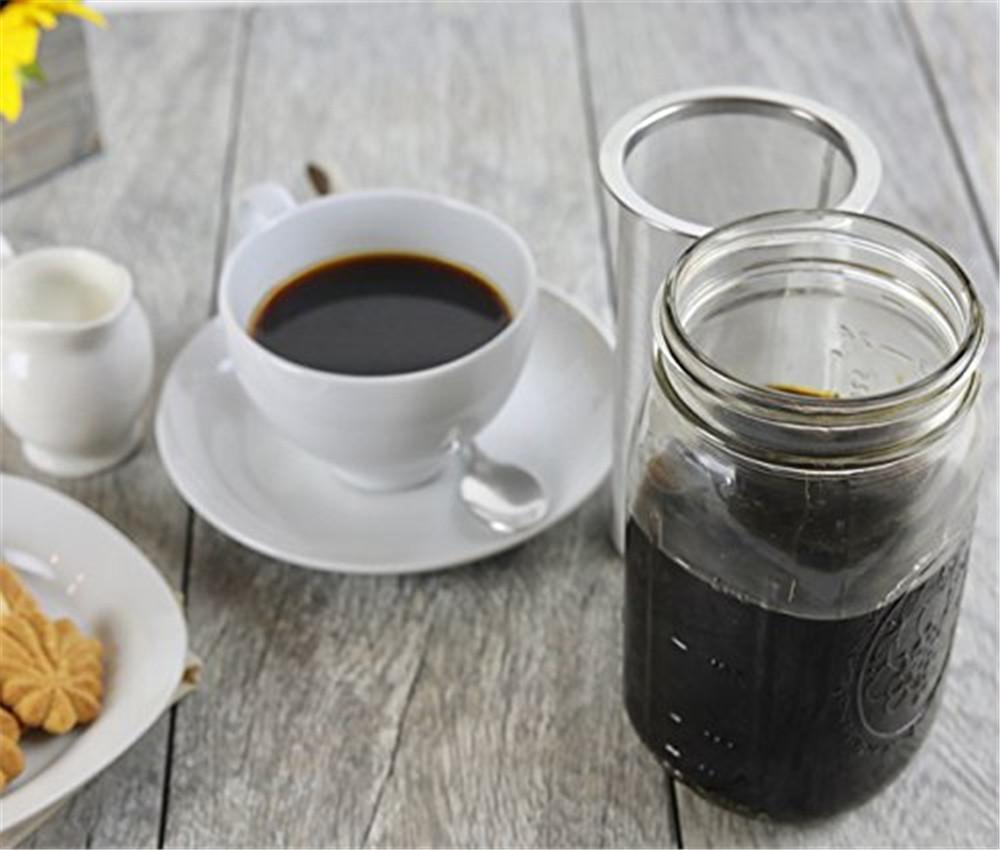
(58, 124)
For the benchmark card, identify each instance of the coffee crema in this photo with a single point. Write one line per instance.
(379, 314)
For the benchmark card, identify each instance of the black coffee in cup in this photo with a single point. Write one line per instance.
(379, 314)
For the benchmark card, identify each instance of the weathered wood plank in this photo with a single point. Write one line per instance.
(475, 707)
(514, 734)
(470, 103)
(857, 58)
(959, 41)
(163, 86)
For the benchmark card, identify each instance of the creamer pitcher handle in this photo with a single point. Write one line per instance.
(259, 205)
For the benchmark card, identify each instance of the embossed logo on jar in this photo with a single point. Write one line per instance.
(908, 652)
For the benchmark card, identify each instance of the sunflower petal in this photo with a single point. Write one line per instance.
(20, 44)
(72, 7)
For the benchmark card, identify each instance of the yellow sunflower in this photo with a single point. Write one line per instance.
(20, 23)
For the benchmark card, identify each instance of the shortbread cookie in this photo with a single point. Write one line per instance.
(9, 727)
(11, 757)
(14, 596)
(50, 674)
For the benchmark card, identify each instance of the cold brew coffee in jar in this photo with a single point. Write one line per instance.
(803, 492)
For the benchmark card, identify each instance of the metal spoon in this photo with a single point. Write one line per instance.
(506, 498)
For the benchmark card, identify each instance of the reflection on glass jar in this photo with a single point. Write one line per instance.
(803, 490)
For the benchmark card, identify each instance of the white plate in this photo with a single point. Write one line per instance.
(265, 492)
(105, 585)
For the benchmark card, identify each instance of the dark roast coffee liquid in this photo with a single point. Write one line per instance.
(776, 714)
(379, 314)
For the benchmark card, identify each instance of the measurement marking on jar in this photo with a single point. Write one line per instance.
(716, 739)
(858, 380)
(896, 352)
(673, 715)
(672, 750)
(676, 641)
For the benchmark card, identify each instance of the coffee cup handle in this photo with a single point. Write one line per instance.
(258, 206)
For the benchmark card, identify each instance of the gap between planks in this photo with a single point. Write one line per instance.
(244, 32)
(930, 80)
(593, 150)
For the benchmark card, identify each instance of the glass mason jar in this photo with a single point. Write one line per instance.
(802, 496)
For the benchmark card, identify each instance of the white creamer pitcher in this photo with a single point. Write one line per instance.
(77, 359)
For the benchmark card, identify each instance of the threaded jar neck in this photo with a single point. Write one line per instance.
(819, 337)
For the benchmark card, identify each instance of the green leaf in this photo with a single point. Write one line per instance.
(32, 72)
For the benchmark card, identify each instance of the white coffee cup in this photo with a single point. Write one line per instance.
(379, 432)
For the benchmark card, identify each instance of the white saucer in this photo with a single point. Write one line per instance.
(265, 492)
(102, 582)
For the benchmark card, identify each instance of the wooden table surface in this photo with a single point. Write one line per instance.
(481, 705)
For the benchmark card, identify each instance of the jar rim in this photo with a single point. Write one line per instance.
(962, 360)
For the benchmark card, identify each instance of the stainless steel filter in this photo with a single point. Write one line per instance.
(681, 165)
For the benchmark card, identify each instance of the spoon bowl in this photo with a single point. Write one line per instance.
(505, 497)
